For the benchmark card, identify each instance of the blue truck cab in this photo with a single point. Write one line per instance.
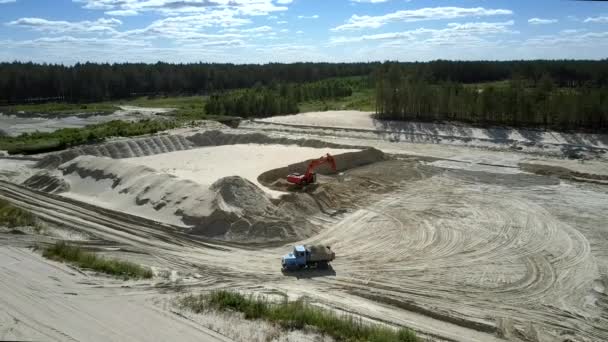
(295, 259)
(307, 257)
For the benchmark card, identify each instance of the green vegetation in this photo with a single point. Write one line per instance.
(95, 82)
(517, 102)
(61, 109)
(186, 107)
(297, 315)
(281, 99)
(30, 143)
(61, 251)
(13, 217)
(359, 100)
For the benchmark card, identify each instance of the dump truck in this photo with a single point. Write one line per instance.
(315, 256)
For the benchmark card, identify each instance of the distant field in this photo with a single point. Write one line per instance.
(187, 107)
(61, 108)
(360, 100)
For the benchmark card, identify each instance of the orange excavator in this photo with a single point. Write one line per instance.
(310, 176)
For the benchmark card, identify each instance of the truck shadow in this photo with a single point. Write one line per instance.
(310, 273)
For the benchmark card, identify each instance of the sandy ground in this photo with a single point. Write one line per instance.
(463, 247)
(15, 125)
(47, 301)
(208, 164)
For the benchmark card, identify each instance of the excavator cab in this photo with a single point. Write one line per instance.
(310, 176)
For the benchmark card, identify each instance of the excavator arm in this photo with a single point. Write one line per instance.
(318, 162)
(308, 177)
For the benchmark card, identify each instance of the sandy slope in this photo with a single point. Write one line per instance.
(364, 121)
(47, 301)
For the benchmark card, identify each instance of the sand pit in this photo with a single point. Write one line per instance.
(212, 191)
(206, 165)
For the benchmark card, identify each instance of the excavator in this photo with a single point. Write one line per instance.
(310, 176)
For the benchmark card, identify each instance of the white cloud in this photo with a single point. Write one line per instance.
(357, 22)
(371, 1)
(101, 25)
(539, 21)
(597, 20)
(452, 33)
(316, 16)
(281, 22)
(173, 7)
(122, 13)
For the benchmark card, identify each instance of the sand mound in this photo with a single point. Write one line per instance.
(140, 147)
(50, 182)
(242, 211)
(216, 138)
(120, 149)
(232, 208)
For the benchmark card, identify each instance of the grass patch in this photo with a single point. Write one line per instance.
(361, 99)
(12, 217)
(297, 315)
(64, 252)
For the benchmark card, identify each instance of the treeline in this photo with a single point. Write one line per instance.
(401, 95)
(88, 82)
(40, 142)
(279, 99)
(565, 73)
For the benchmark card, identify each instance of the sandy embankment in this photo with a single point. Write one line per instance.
(357, 120)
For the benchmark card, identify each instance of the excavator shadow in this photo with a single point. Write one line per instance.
(310, 273)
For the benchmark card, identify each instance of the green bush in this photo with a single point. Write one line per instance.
(62, 251)
(11, 216)
(297, 315)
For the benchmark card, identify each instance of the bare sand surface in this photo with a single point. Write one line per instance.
(208, 164)
(48, 301)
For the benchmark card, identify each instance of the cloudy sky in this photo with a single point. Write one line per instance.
(260, 31)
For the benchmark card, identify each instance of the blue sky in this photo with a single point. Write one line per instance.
(260, 31)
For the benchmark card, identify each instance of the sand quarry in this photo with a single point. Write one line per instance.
(461, 234)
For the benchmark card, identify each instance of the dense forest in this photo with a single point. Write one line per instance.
(278, 99)
(88, 82)
(575, 100)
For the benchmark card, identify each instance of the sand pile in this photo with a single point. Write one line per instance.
(127, 148)
(242, 211)
(232, 208)
(47, 181)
